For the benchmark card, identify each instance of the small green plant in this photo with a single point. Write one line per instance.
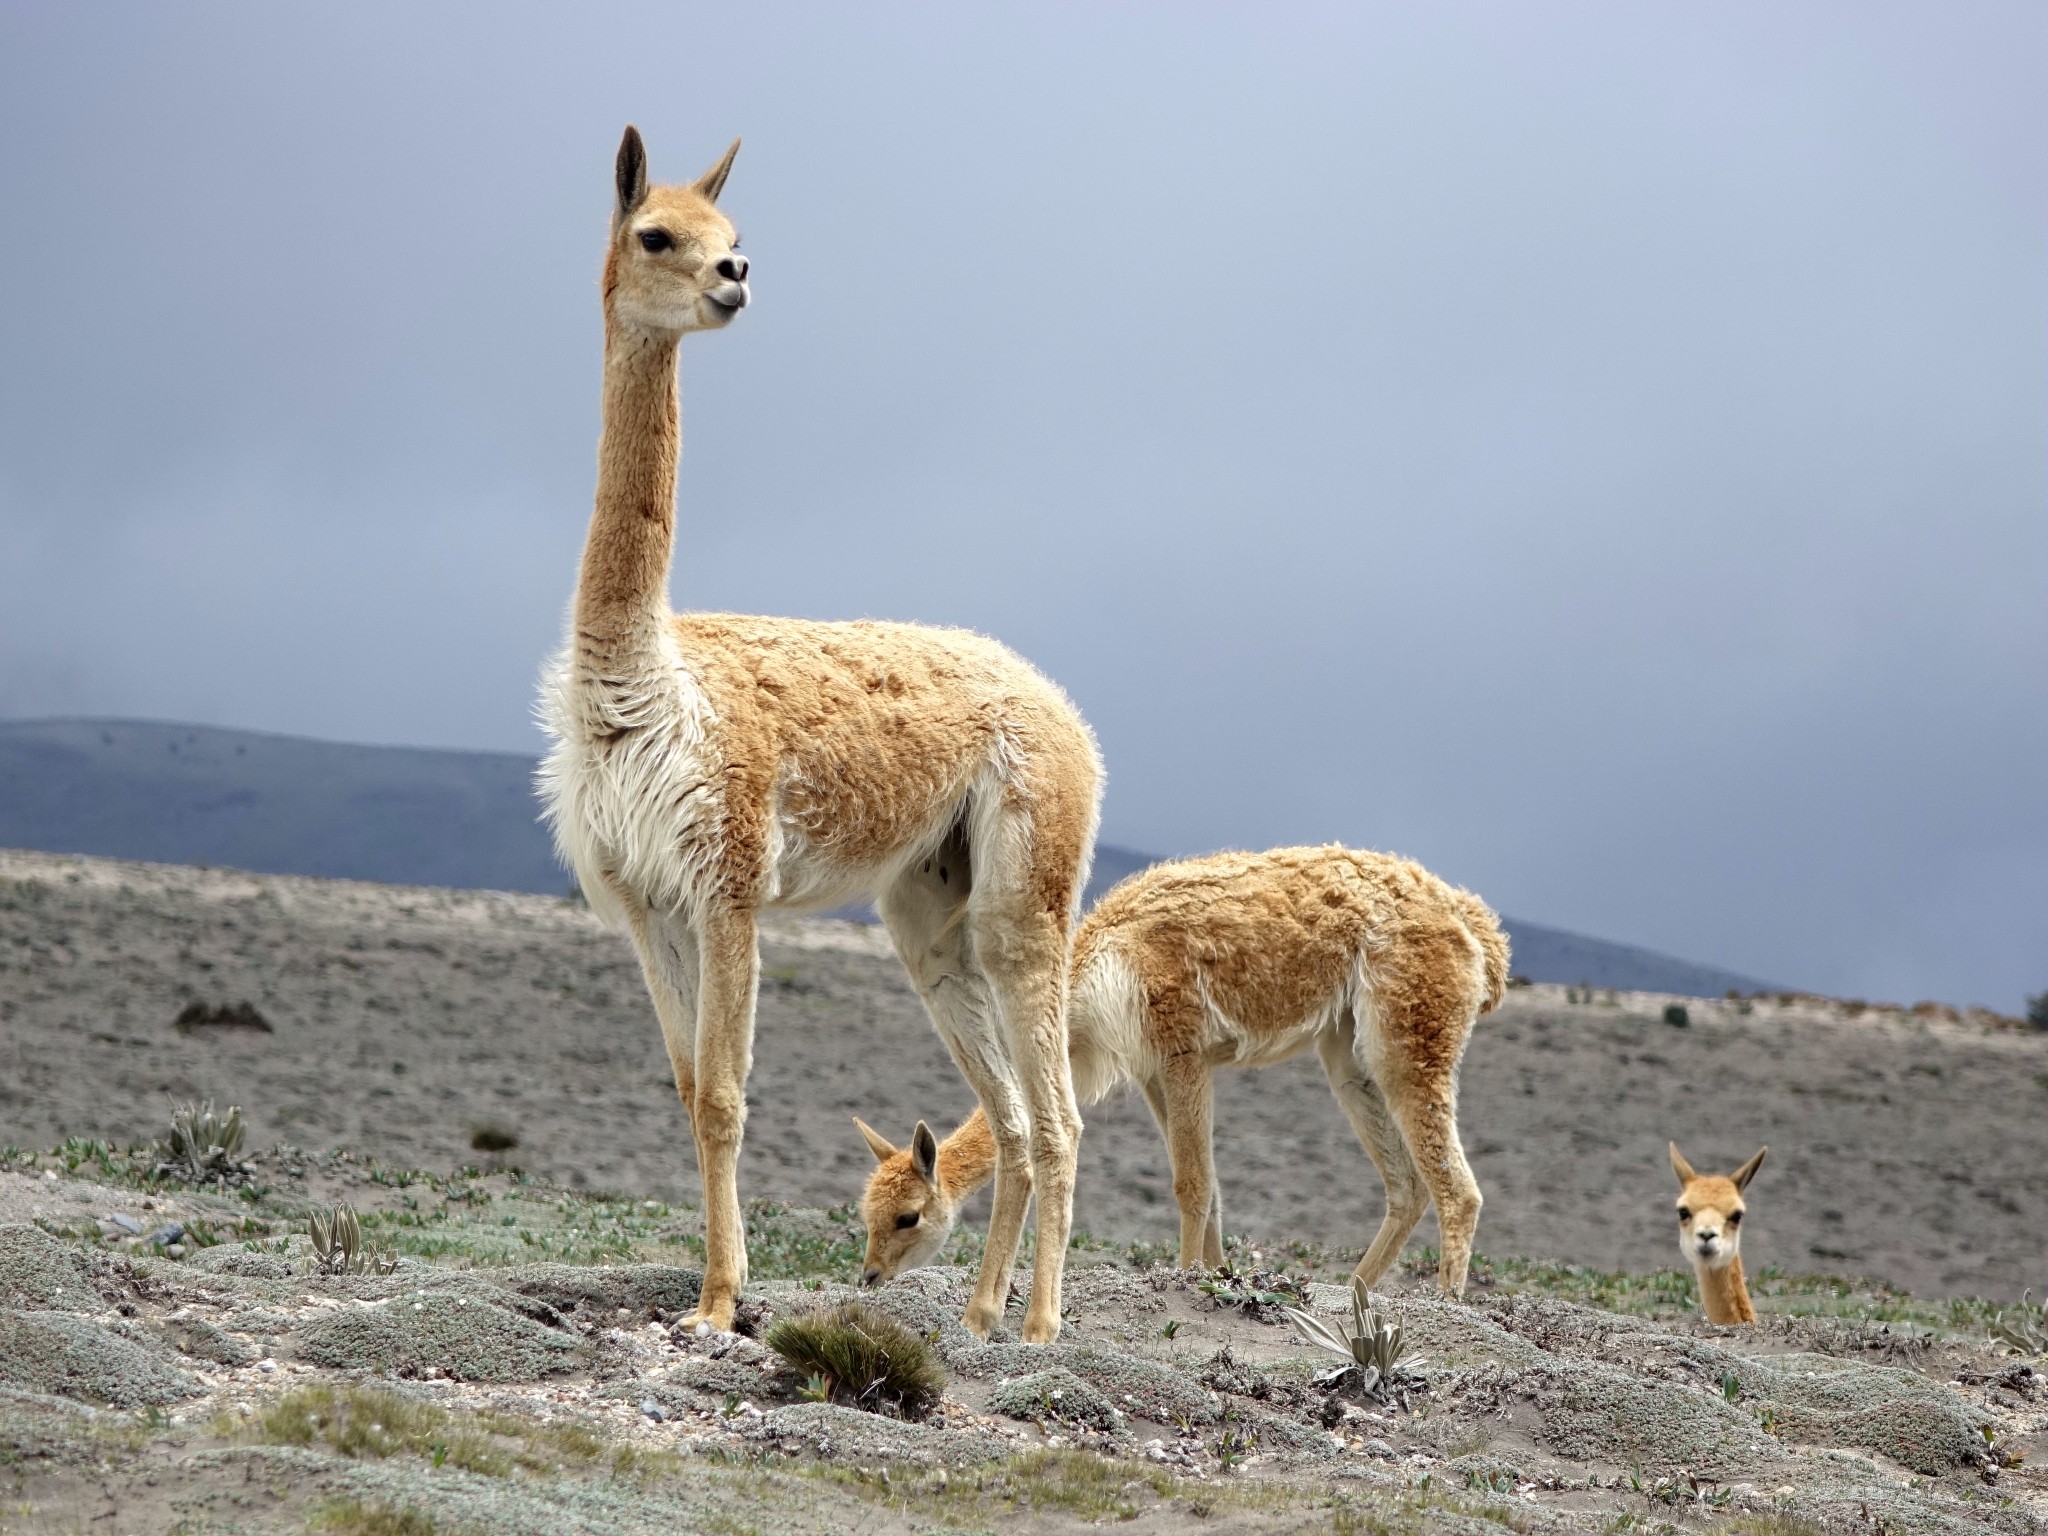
(1253, 1292)
(1676, 1016)
(1371, 1347)
(338, 1249)
(863, 1358)
(1172, 1327)
(1731, 1389)
(201, 1146)
(1235, 1446)
(2023, 1327)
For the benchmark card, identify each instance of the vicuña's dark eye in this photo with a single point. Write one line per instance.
(1684, 1214)
(1735, 1218)
(903, 1223)
(656, 240)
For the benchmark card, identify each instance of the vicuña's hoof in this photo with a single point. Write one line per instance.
(981, 1319)
(716, 1313)
(1041, 1330)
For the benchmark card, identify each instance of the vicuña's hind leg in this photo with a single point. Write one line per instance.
(1420, 1080)
(1025, 883)
(925, 912)
(1212, 1229)
(729, 962)
(1373, 1122)
(667, 947)
(1024, 956)
(1190, 1117)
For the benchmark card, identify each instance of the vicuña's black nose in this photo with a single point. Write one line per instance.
(872, 1277)
(733, 268)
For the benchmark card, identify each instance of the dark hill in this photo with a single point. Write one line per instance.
(194, 794)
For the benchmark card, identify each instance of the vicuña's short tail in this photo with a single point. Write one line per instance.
(1493, 944)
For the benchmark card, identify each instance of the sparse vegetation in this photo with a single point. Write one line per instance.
(338, 1249)
(2037, 1010)
(371, 1423)
(202, 1147)
(1371, 1346)
(862, 1358)
(2023, 1327)
(352, 1517)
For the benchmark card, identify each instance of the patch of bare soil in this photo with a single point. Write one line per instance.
(424, 1026)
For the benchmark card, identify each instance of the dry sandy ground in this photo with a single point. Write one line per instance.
(1909, 1150)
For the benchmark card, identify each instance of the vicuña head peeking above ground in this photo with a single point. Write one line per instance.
(1710, 1209)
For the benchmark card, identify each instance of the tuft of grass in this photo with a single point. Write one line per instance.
(863, 1358)
(370, 1423)
(1776, 1523)
(352, 1517)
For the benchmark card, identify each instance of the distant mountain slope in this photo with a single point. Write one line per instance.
(193, 794)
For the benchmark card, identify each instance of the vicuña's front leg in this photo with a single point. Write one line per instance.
(729, 974)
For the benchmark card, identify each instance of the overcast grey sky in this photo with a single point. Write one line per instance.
(1601, 450)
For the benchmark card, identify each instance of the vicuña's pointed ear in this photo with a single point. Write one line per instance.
(924, 1154)
(1747, 1171)
(712, 182)
(631, 173)
(877, 1143)
(1680, 1166)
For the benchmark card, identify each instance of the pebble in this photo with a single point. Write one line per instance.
(169, 1232)
(652, 1409)
(266, 1366)
(126, 1223)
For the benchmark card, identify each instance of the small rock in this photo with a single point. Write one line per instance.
(126, 1223)
(649, 1408)
(266, 1366)
(170, 1232)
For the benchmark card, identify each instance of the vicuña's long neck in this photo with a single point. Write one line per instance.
(1725, 1294)
(967, 1158)
(622, 593)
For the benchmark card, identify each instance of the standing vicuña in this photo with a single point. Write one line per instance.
(1710, 1211)
(708, 766)
(1245, 959)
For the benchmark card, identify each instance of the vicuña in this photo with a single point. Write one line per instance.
(1245, 959)
(708, 766)
(1710, 1211)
